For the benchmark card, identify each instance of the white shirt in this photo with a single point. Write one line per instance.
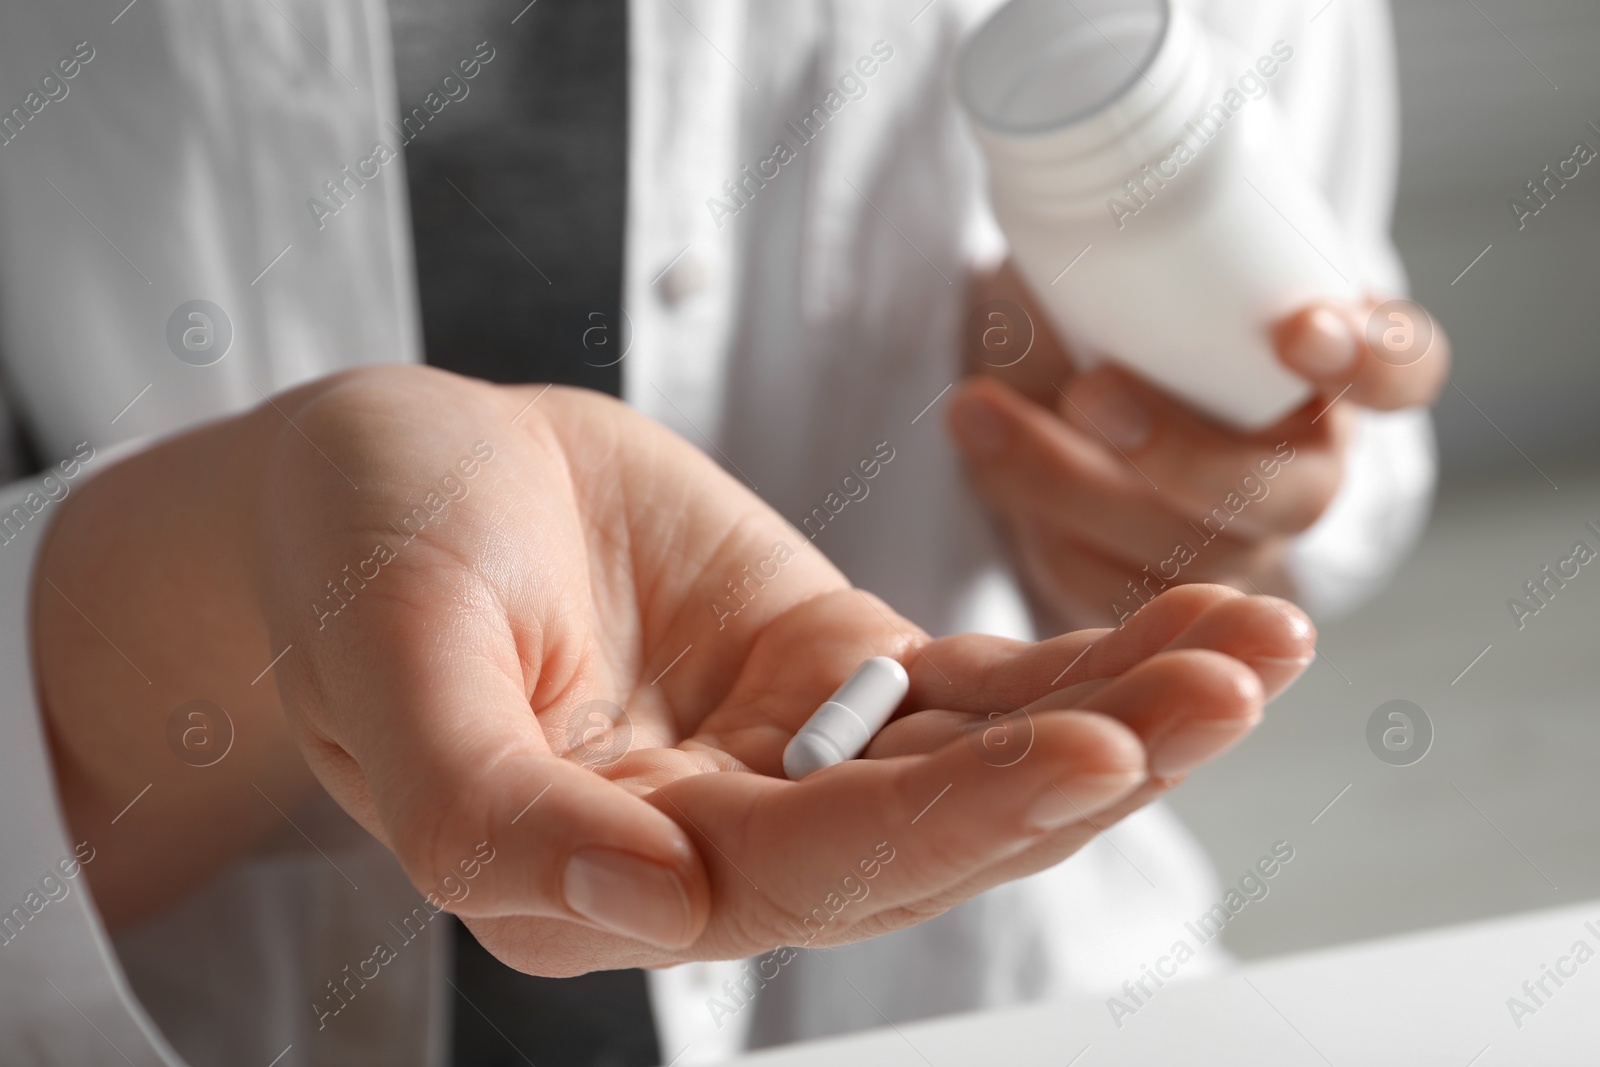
(787, 338)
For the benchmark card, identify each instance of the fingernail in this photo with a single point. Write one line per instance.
(628, 895)
(1325, 347)
(1079, 797)
(1299, 621)
(980, 429)
(1277, 673)
(1194, 743)
(1112, 410)
(1282, 662)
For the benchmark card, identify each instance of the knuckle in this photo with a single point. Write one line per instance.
(419, 840)
(768, 925)
(930, 907)
(429, 835)
(1302, 513)
(1316, 494)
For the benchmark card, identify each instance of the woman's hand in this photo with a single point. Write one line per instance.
(473, 582)
(1109, 491)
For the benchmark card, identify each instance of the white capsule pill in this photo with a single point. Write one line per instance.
(841, 728)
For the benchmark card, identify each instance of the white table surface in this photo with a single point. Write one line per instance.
(1432, 998)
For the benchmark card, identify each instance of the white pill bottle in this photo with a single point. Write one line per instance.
(1138, 167)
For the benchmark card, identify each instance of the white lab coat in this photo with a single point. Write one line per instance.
(794, 335)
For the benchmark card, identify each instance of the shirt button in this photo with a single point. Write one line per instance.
(683, 279)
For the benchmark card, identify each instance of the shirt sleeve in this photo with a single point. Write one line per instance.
(65, 998)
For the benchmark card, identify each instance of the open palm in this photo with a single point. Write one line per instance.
(593, 657)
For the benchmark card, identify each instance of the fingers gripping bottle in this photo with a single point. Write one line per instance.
(1138, 168)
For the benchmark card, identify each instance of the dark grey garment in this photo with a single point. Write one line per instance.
(504, 1018)
(516, 152)
(516, 155)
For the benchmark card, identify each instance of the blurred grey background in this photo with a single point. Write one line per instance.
(1503, 814)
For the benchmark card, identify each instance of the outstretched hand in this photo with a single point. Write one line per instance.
(591, 655)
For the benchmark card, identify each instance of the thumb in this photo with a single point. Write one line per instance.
(565, 843)
(442, 758)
